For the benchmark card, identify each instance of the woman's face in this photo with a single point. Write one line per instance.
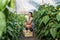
(29, 14)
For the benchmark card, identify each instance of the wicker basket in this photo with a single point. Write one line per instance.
(27, 33)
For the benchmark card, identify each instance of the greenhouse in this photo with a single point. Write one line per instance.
(29, 19)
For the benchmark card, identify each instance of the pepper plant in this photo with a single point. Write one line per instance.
(3, 4)
(14, 26)
(11, 24)
(47, 22)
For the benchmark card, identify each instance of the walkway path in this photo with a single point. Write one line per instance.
(29, 38)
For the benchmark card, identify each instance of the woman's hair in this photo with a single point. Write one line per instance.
(31, 14)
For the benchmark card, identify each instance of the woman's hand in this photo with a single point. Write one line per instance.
(28, 26)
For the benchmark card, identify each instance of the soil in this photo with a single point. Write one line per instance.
(29, 38)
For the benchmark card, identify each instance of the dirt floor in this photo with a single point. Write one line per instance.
(29, 38)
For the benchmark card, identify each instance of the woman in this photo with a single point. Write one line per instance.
(28, 23)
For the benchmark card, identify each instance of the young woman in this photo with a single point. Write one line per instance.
(28, 23)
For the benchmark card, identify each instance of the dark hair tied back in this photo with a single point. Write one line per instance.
(31, 14)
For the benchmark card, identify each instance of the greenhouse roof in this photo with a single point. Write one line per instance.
(30, 5)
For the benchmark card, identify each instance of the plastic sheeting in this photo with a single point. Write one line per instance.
(23, 6)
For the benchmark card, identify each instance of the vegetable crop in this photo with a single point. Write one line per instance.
(47, 22)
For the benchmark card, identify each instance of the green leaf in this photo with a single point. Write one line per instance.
(10, 33)
(42, 12)
(53, 32)
(56, 26)
(10, 28)
(46, 33)
(2, 4)
(45, 19)
(0, 34)
(50, 24)
(54, 29)
(2, 23)
(58, 17)
(8, 1)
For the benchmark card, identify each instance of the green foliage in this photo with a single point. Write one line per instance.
(47, 21)
(2, 23)
(58, 17)
(14, 26)
(3, 4)
(10, 25)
